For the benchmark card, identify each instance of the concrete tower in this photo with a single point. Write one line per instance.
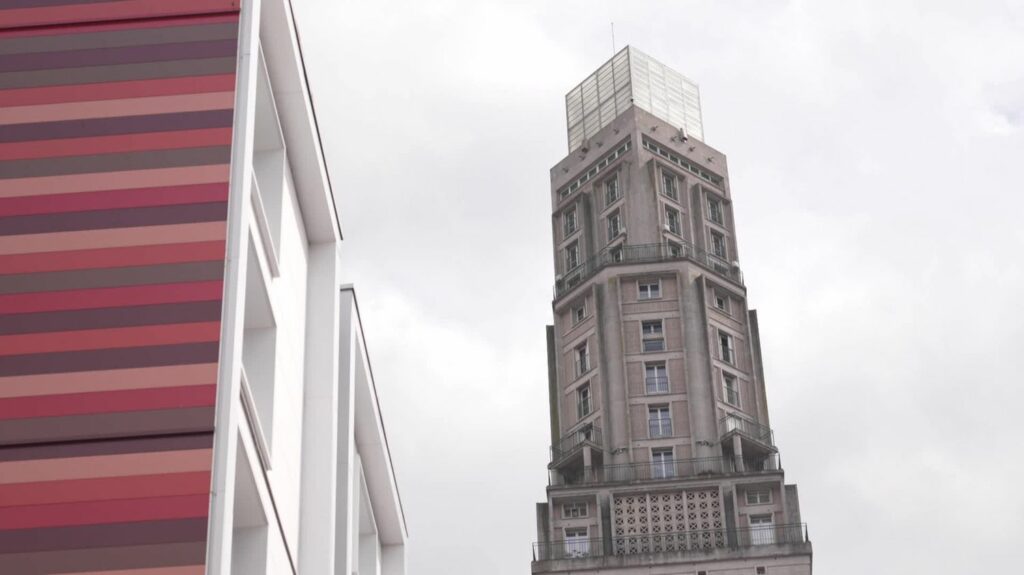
(662, 452)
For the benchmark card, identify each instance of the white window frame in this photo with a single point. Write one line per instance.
(654, 336)
(661, 383)
(609, 197)
(725, 300)
(614, 227)
(584, 401)
(653, 290)
(727, 347)
(616, 254)
(575, 510)
(669, 184)
(581, 310)
(758, 491)
(663, 467)
(657, 426)
(711, 211)
(675, 250)
(570, 222)
(581, 357)
(673, 215)
(762, 532)
(573, 257)
(577, 542)
(722, 254)
(726, 392)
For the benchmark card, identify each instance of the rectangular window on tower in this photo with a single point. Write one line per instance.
(579, 312)
(611, 190)
(648, 290)
(662, 463)
(731, 389)
(715, 211)
(572, 256)
(653, 335)
(655, 378)
(721, 302)
(582, 359)
(673, 223)
(614, 225)
(583, 401)
(718, 246)
(575, 510)
(569, 222)
(726, 347)
(669, 185)
(659, 421)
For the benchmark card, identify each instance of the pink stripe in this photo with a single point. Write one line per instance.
(112, 238)
(116, 108)
(176, 139)
(106, 11)
(108, 338)
(114, 180)
(101, 512)
(106, 466)
(96, 298)
(189, 570)
(107, 380)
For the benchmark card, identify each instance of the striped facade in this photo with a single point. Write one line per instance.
(115, 144)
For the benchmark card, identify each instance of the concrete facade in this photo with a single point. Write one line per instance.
(259, 447)
(663, 460)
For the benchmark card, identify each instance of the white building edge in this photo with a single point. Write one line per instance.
(302, 475)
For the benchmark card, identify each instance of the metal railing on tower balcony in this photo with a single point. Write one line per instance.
(667, 470)
(568, 445)
(755, 431)
(690, 542)
(644, 253)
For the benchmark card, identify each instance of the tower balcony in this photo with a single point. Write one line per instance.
(646, 253)
(671, 547)
(744, 439)
(671, 470)
(568, 452)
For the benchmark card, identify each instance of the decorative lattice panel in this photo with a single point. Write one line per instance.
(668, 522)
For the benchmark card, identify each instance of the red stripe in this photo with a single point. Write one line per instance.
(108, 401)
(106, 11)
(112, 257)
(122, 25)
(97, 512)
(117, 90)
(113, 199)
(114, 337)
(111, 297)
(104, 489)
(113, 144)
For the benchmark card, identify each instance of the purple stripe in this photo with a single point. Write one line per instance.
(105, 425)
(104, 558)
(115, 358)
(113, 277)
(114, 218)
(110, 317)
(116, 38)
(103, 535)
(117, 73)
(118, 125)
(108, 447)
(111, 56)
(117, 162)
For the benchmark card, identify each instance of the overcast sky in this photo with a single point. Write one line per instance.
(875, 153)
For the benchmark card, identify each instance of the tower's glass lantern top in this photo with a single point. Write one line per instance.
(632, 78)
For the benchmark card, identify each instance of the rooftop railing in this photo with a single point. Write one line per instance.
(686, 542)
(642, 253)
(590, 434)
(746, 427)
(667, 470)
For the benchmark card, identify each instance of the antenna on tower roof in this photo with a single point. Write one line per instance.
(613, 38)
